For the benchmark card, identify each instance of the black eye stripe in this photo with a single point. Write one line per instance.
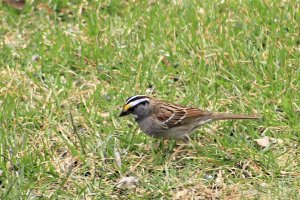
(131, 109)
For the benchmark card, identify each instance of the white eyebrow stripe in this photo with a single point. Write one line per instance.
(133, 98)
(136, 102)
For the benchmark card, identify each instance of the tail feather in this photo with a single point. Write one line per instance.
(226, 116)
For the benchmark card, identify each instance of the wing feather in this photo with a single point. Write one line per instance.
(177, 115)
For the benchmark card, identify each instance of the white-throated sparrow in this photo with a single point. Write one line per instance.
(170, 121)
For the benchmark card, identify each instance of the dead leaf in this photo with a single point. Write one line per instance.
(166, 62)
(219, 180)
(17, 4)
(150, 90)
(45, 7)
(118, 158)
(263, 142)
(278, 141)
(104, 114)
(128, 182)
(201, 11)
(182, 195)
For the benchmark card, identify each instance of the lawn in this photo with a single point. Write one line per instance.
(68, 67)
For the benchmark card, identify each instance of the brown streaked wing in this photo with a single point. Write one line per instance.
(163, 112)
(195, 113)
(177, 115)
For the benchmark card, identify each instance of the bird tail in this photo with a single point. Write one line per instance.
(226, 116)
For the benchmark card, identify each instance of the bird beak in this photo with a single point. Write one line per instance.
(123, 113)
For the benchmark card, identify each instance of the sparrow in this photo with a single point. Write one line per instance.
(165, 120)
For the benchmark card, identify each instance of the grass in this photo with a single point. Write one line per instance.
(66, 69)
